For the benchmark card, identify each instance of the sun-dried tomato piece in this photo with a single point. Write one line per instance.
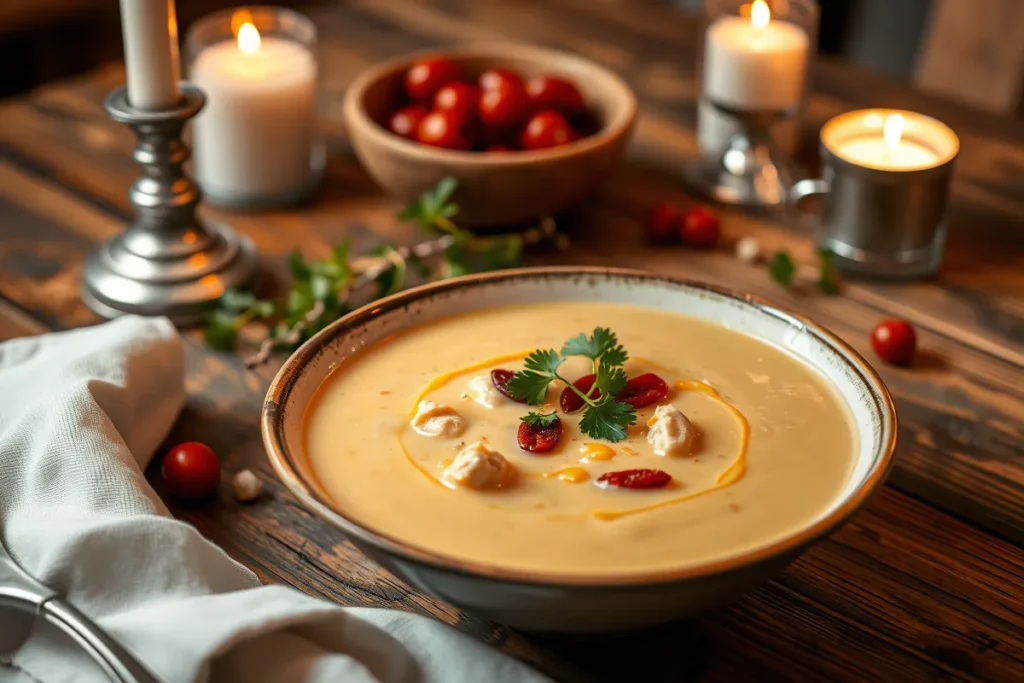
(570, 400)
(500, 378)
(537, 439)
(635, 479)
(643, 390)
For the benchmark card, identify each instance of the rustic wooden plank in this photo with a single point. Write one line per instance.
(15, 323)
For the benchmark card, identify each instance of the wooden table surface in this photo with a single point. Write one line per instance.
(924, 584)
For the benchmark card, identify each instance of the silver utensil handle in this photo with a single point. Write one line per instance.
(119, 664)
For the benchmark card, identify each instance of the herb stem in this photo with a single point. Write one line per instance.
(586, 397)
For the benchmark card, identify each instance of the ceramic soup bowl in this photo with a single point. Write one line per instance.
(533, 600)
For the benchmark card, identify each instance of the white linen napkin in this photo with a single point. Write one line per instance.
(81, 414)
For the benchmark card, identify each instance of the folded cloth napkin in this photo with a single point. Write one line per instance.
(81, 414)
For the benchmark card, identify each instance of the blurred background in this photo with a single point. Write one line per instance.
(971, 51)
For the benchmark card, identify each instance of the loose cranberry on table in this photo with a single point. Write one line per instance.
(700, 227)
(427, 76)
(546, 129)
(663, 224)
(458, 98)
(191, 471)
(894, 341)
(442, 129)
(537, 438)
(504, 104)
(406, 121)
(558, 94)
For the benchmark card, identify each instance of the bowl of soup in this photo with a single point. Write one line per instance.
(579, 449)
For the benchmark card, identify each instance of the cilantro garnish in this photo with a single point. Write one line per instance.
(540, 419)
(828, 281)
(604, 417)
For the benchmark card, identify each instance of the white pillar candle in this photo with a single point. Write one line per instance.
(755, 63)
(150, 32)
(888, 150)
(254, 138)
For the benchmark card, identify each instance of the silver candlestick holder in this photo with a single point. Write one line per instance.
(750, 170)
(167, 262)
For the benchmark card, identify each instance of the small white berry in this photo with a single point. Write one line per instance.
(247, 486)
(748, 250)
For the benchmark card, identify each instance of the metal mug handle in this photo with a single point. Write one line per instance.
(807, 187)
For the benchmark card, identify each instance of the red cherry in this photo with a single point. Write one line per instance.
(570, 400)
(551, 92)
(546, 129)
(191, 471)
(504, 104)
(442, 129)
(500, 379)
(499, 148)
(406, 120)
(536, 439)
(700, 227)
(427, 76)
(895, 341)
(493, 79)
(458, 98)
(643, 390)
(663, 224)
(635, 479)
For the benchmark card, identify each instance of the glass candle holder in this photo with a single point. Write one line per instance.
(255, 143)
(754, 67)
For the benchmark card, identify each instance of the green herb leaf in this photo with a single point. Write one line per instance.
(828, 281)
(546, 361)
(608, 420)
(540, 419)
(601, 341)
(221, 330)
(236, 300)
(297, 265)
(782, 268)
(610, 380)
(531, 384)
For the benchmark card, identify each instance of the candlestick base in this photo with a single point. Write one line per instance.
(167, 262)
(751, 170)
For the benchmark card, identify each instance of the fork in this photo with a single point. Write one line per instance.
(22, 593)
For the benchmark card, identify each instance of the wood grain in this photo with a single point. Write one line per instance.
(923, 585)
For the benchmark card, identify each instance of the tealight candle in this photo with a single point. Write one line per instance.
(888, 150)
(755, 63)
(885, 183)
(254, 143)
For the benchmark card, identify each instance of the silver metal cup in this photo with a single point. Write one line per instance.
(882, 220)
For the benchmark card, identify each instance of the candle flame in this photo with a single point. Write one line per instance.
(760, 14)
(248, 38)
(893, 130)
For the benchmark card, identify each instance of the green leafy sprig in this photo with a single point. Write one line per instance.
(604, 418)
(321, 290)
(783, 269)
(540, 419)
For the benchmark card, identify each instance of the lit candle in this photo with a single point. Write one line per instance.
(254, 138)
(755, 63)
(888, 150)
(149, 29)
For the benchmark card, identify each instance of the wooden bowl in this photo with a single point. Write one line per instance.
(503, 188)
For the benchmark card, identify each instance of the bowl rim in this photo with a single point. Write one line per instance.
(281, 458)
(355, 112)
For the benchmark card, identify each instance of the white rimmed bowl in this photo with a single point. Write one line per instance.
(534, 600)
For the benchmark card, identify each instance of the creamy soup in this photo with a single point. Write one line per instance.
(763, 446)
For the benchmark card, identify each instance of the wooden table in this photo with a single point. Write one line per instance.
(924, 584)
